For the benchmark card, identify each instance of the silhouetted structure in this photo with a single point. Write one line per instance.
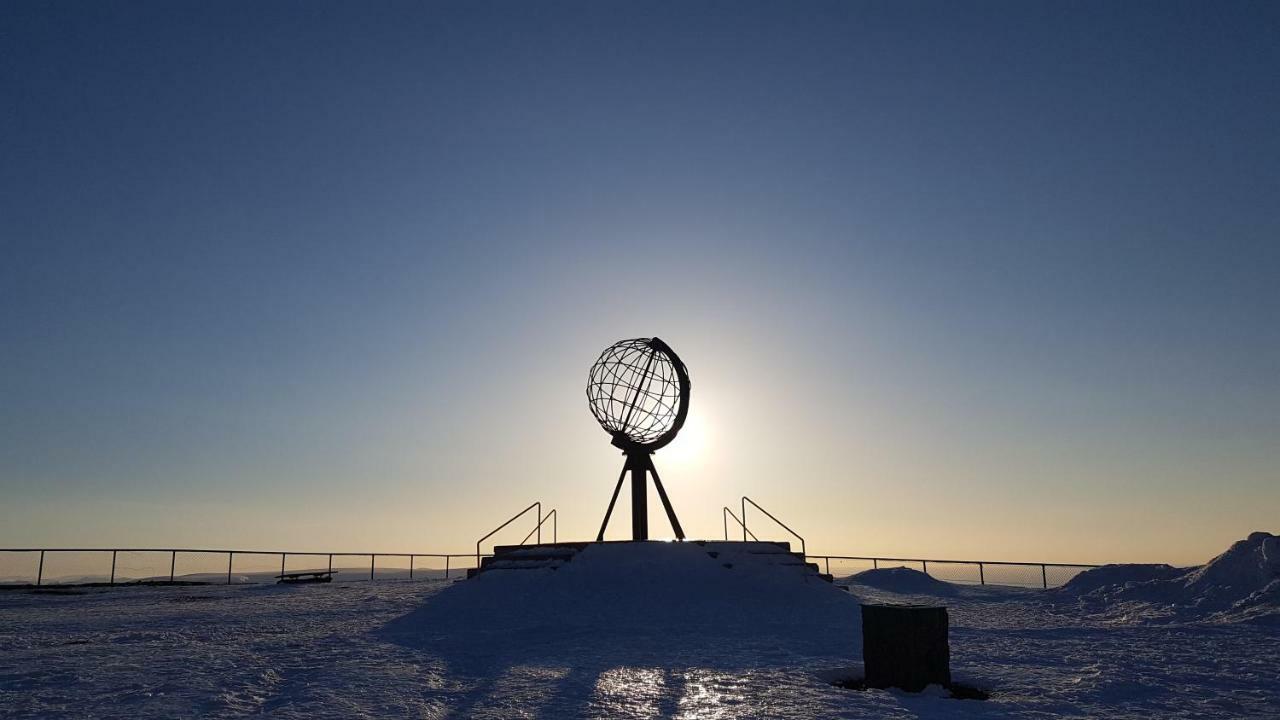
(639, 393)
(905, 646)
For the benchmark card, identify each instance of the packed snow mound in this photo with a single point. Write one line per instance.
(668, 597)
(903, 580)
(1246, 567)
(1119, 576)
(1241, 584)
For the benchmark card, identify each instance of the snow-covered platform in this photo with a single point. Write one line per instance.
(750, 556)
(524, 594)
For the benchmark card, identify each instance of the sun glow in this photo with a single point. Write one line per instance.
(690, 448)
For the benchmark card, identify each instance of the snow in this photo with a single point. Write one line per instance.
(903, 580)
(639, 589)
(670, 632)
(1111, 576)
(1240, 585)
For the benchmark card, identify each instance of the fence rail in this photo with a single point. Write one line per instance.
(979, 572)
(172, 565)
(98, 571)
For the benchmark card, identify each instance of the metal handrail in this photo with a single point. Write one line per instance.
(726, 517)
(746, 500)
(536, 504)
(554, 530)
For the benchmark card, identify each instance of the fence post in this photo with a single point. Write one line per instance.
(40, 570)
(330, 563)
(1044, 578)
(744, 518)
(410, 567)
(282, 557)
(875, 564)
(828, 566)
(173, 562)
(230, 556)
(982, 576)
(446, 567)
(925, 565)
(113, 566)
(372, 559)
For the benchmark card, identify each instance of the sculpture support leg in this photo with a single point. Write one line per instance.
(639, 498)
(616, 489)
(640, 465)
(666, 503)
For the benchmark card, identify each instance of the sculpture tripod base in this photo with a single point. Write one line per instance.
(640, 465)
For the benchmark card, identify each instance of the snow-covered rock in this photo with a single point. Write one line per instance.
(1246, 567)
(1119, 575)
(1241, 584)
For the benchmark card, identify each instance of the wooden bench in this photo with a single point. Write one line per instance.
(307, 576)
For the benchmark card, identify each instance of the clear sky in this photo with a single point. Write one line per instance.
(989, 280)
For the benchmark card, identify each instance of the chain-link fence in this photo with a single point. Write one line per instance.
(976, 572)
(39, 567)
(25, 567)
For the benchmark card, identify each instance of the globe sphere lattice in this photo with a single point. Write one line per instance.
(634, 390)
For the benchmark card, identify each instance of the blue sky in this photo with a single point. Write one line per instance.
(955, 279)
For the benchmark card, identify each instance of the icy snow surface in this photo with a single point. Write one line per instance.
(679, 635)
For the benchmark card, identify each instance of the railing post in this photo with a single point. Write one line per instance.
(173, 562)
(1044, 578)
(446, 567)
(410, 567)
(330, 563)
(725, 517)
(925, 565)
(230, 557)
(828, 565)
(539, 522)
(982, 576)
(40, 570)
(555, 526)
(744, 518)
(113, 566)
(282, 557)
(372, 559)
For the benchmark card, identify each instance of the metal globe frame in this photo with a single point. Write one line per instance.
(640, 418)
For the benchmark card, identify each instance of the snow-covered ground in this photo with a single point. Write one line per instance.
(601, 638)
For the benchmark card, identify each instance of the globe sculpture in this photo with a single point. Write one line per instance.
(638, 391)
